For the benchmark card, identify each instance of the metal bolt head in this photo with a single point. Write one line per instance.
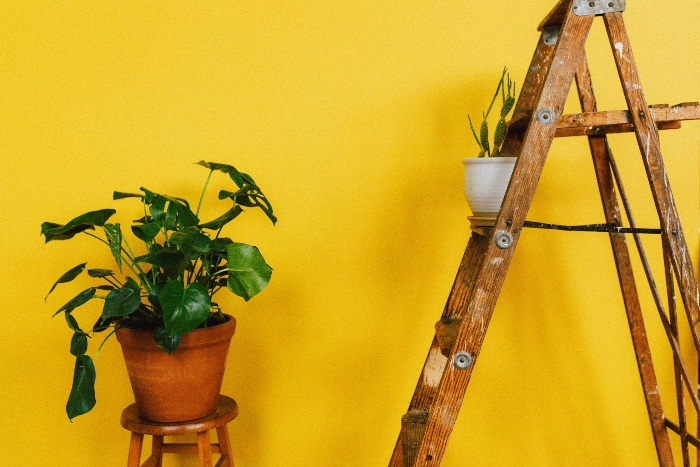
(591, 4)
(545, 117)
(503, 239)
(462, 360)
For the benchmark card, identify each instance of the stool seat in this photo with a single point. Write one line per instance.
(226, 411)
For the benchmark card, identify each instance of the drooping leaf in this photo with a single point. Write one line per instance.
(239, 178)
(146, 232)
(165, 341)
(183, 308)
(77, 301)
(123, 301)
(114, 238)
(162, 258)
(82, 395)
(248, 274)
(121, 195)
(100, 272)
(67, 276)
(72, 323)
(222, 220)
(191, 242)
(89, 220)
(78, 344)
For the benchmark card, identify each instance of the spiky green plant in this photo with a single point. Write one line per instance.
(508, 98)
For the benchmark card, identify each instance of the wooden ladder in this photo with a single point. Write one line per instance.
(558, 61)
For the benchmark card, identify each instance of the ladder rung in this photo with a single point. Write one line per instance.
(614, 121)
(676, 429)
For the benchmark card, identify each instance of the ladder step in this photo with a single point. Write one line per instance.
(412, 431)
(614, 121)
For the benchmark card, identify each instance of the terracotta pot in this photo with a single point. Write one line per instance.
(184, 385)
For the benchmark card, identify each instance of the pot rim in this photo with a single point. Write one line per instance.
(489, 160)
(130, 337)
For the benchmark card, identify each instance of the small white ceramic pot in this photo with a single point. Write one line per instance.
(485, 182)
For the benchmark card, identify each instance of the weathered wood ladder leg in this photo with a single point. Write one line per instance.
(599, 150)
(460, 334)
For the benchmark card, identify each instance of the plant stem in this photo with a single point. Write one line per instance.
(201, 197)
(128, 260)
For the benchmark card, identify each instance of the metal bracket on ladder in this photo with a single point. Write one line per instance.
(598, 7)
(559, 60)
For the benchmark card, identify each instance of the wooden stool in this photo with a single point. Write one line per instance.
(225, 412)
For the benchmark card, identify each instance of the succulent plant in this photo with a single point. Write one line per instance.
(508, 101)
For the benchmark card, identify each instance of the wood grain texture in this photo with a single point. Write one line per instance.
(648, 141)
(537, 141)
(614, 121)
(600, 152)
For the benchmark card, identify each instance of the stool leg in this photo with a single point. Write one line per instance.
(135, 450)
(225, 444)
(156, 450)
(204, 446)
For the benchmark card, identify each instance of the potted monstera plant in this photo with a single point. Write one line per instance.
(159, 297)
(486, 177)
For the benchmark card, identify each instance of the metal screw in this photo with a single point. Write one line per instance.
(545, 116)
(611, 4)
(429, 457)
(592, 4)
(509, 222)
(674, 232)
(503, 239)
(462, 360)
(642, 115)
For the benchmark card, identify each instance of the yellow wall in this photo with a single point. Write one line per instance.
(353, 118)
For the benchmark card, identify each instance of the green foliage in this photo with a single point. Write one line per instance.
(508, 102)
(170, 284)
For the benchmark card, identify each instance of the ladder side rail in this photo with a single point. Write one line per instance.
(600, 152)
(648, 141)
(436, 362)
(677, 369)
(537, 141)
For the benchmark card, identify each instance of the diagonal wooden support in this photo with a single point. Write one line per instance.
(648, 140)
(599, 150)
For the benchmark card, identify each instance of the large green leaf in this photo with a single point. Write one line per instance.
(86, 221)
(77, 301)
(82, 394)
(73, 324)
(179, 216)
(161, 258)
(248, 274)
(123, 301)
(165, 341)
(191, 242)
(67, 276)
(183, 309)
(114, 238)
